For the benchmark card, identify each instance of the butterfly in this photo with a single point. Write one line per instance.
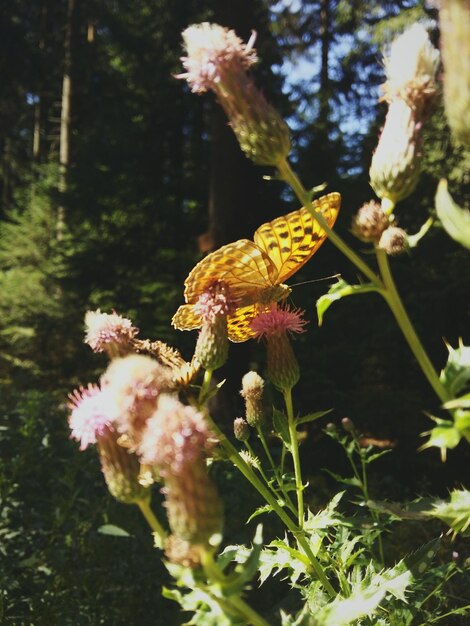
(255, 271)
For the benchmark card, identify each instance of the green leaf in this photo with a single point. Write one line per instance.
(456, 374)
(114, 531)
(281, 427)
(456, 512)
(336, 292)
(311, 417)
(455, 220)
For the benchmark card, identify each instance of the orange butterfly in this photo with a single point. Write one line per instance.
(255, 271)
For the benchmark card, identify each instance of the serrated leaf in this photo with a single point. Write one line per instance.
(259, 511)
(351, 481)
(311, 417)
(456, 374)
(454, 219)
(246, 570)
(114, 531)
(336, 292)
(281, 427)
(456, 512)
(325, 518)
(444, 436)
(420, 560)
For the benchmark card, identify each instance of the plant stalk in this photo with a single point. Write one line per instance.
(295, 456)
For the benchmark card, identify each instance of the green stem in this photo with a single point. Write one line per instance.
(206, 383)
(248, 473)
(294, 443)
(232, 602)
(157, 528)
(394, 302)
(277, 473)
(287, 174)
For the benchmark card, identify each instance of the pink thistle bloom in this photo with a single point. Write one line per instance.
(278, 320)
(107, 331)
(175, 437)
(93, 414)
(212, 52)
(215, 302)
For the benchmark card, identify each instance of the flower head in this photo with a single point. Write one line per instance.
(109, 332)
(136, 382)
(393, 240)
(278, 320)
(93, 414)
(215, 302)
(212, 51)
(252, 392)
(175, 436)
(370, 222)
(411, 66)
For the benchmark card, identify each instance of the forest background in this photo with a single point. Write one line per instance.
(114, 181)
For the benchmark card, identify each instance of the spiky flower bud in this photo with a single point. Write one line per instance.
(92, 421)
(454, 21)
(396, 163)
(110, 333)
(121, 470)
(274, 325)
(252, 392)
(218, 60)
(370, 222)
(213, 306)
(135, 382)
(241, 430)
(394, 241)
(176, 440)
(410, 89)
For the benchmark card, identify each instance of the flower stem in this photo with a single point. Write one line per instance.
(287, 174)
(157, 528)
(248, 473)
(277, 472)
(295, 455)
(232, 602)
(393, 300)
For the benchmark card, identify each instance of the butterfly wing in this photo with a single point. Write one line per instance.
(242, 265)
(291, 240)
(238, 324)
(186, 319)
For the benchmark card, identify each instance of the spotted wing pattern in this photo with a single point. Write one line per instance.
(290, 241)
(238, 324)
(185, 318)
(242, 265)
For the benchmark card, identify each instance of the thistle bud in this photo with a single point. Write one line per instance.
(347, 424)
(252, 392)
(218, 60)
(396, 163)
(241, 430)
(175, 441)
(121, 470)
(454, 21)
(393, 241)
(370, 222)
(214, 305)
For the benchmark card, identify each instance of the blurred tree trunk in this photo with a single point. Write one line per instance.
(66, 115)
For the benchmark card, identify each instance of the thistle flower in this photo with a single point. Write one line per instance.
(370, 222)
(393, 240)
(176, 440)
(92, 419)
(93, 414)
(454, 22)
(109, 332)
(410, 88)
(275, 325)
(213, 306)
(136, 382)
(252, 392)
(218, 60)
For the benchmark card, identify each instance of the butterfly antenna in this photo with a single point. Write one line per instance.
(316, 280)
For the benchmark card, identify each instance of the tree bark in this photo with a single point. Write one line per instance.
(65, 118)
